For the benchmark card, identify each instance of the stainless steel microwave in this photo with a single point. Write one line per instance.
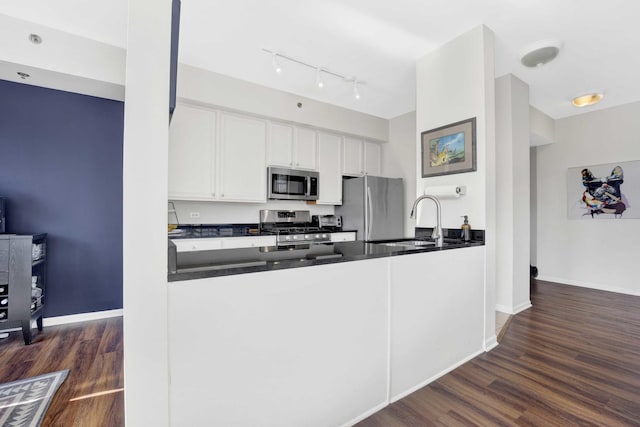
(291, 184)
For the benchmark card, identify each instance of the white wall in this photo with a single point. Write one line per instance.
(457, 82)
(533, 205)
(512, 194)
(542, 127)
(600, 254)
(63, 61)
(399, 159)
(209, 88)
(145, 172)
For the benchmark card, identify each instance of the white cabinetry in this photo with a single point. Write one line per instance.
(242, 176)
(216, 156)
(192, 153)
(214, 243)
(346, 236)
(329, 168)
(361, 157)
(292, 147)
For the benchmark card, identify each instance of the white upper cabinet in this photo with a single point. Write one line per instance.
(329, 168)
(372, 158)
(192, 153)
(361, 157)
(216, 156)
(241, 174)
(292, 147)
(280, 151)
(306, 149)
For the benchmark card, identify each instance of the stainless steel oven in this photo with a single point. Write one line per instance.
(292, 184)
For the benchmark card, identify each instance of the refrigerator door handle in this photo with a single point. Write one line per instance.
(370, 219)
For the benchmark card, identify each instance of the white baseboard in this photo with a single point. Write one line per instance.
(513, 310)
(435, 377)
(366, 414)
(600, 287)
(490, 343)
(81, 317)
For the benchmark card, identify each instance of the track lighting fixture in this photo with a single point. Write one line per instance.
(318, 69)
(319, 81)
(274, 61)
(356, 93)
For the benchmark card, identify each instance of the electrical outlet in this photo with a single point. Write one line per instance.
(194, 214)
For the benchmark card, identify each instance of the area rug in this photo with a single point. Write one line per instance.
(23, 403)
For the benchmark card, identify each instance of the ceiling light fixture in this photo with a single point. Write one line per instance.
(318, 69)
(587, 100)
(319, 81)
(276, 65)
(540, 53)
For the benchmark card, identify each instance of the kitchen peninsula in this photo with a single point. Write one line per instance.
(357, 326)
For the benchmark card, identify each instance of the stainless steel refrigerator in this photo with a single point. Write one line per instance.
(374, 207)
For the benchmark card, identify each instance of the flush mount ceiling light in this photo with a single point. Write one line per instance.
(318, 71)
(540, 53)
(587, 100)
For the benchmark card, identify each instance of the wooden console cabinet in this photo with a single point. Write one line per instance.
(22, 260)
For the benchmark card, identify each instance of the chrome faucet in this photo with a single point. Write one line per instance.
(437, 231)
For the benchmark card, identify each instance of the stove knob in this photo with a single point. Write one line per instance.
(287, 237)
(325, 236)
(295, 237)
(317, 236)
(308, 237)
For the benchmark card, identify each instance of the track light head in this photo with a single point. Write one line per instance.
(319, 81)
(356, 93)
(276, 65)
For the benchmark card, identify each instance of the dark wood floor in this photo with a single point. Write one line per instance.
(92, 395)
(571, 359)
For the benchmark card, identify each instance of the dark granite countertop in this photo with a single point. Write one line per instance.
(203, 264)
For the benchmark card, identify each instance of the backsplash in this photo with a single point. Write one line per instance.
(235, 213)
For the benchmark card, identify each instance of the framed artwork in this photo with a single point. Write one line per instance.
(610, 190)
(449, 149)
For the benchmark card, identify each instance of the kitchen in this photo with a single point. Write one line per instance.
(145, 194)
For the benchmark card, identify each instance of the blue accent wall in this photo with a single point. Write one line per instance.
(61, 172)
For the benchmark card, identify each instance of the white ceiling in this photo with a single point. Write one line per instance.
(379, 41)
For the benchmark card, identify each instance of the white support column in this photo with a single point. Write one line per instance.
(145, 218)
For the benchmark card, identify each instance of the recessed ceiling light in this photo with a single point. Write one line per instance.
(587, 100)
(540, 53)
(35, 39)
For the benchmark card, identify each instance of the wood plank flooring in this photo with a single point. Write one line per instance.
(92, 395)
(571, 359)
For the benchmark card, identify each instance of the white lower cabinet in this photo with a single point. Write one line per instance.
(216, 156)
(213, 243)
(346, 236)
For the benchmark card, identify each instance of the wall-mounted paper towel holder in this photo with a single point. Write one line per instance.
(446, 191)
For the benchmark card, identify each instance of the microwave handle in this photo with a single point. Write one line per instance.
(308, 186)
